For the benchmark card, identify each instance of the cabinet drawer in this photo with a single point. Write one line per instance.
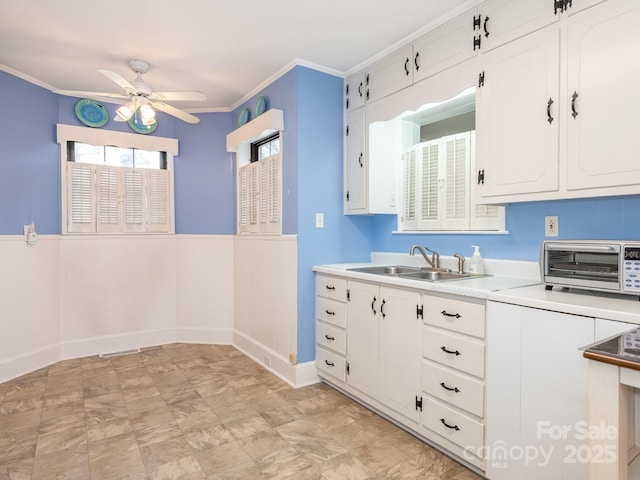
(331, 311)
(456, 315)
(453, 351)
(453, 387)
(452, 425)
(331, 287)
(331, 337)
(331, 364)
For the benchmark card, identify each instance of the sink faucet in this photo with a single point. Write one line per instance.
(460, 258)
(434, 261)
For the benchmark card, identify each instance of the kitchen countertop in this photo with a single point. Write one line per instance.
(479, 287)
(622, 308)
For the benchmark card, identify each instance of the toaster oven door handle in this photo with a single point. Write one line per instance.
(581, 247)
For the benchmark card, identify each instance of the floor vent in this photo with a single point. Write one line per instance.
(121, 352)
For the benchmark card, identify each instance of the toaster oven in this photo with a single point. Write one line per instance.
(602, 265)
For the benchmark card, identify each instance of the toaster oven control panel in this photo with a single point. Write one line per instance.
(631, 269)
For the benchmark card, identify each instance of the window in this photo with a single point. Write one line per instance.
(110, 188)
(259, 195)
(437, 191)
(265, 148)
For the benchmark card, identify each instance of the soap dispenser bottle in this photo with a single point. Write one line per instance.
(476, 264)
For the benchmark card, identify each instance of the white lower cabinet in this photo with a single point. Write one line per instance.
(537, 392)
(415, 357)
(453, 375)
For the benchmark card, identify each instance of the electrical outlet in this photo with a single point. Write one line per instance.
(319, 220)
(551, 226)
(293, 358)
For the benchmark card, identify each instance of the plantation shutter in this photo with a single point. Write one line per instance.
(243, 199)
(456, 167)
(409, 198)
(108, 199)
(80, 198)
(428, 191)
(134, 218)
(158, 188)
(270, 194)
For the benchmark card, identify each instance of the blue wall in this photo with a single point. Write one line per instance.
(591, 218)
(312, 183)
(30, 178)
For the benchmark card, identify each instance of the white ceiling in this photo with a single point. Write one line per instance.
(225, 49)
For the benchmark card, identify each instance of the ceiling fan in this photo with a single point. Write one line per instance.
(139, 98)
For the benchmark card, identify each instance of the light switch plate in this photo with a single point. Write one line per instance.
(319, 220)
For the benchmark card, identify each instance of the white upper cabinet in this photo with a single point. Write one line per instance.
(394, 72)
(517, 118)
(446, 46)
(603, 102)
(501, 21)
(355, 91)
(355, 162)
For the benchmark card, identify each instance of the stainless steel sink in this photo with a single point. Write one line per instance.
(436, 276)
(428, 274)
(387, 270)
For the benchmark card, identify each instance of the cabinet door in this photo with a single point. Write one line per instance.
(400, 350)
(536, 387)
(517, 121)
(445, 47)
(602, 96)
(355, 162)
(363, 333)
(355, 91)
(394, 72)
(502, 21)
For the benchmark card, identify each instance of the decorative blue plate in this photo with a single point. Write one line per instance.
(261, 106)
(137, 126)
(243, 117)
(91, 113)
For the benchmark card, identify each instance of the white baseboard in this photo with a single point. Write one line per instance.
(28, 362)
(87, 347)
(295, 375)
(213, 336)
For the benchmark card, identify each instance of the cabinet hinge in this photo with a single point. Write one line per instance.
(418, 403)
(419, 311)
(348, 295)
(481, 79)
(347, 366)
(477, 42)
(481, 177)
(476, 22)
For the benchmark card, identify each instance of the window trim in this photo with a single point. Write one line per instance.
(71, 133)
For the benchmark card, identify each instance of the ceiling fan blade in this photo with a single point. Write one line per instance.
(120, 80)
(173, 96)
(182, 115)
(101, 95)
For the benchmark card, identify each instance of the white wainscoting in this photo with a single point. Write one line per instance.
(75, 296)
(29, 305)
(265, 301)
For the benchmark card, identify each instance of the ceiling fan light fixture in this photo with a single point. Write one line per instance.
(147, 115)
(124, 112)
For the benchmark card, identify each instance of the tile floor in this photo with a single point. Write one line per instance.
(196, 412)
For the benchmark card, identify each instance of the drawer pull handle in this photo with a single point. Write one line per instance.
(329, 312)
(454, 389)
(328, 287)
(452, 427)
(331, 364)
(444, 349)
(373, 305)
(329, 338)
(444, 312)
